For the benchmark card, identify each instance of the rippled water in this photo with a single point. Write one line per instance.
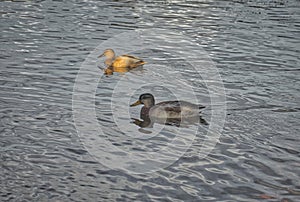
(255, 46)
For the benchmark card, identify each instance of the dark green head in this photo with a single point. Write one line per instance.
(146, 99)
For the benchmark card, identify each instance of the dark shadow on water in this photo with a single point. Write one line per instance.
(147, 121)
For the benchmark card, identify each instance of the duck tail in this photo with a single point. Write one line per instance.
(201, 107)
(141, 62)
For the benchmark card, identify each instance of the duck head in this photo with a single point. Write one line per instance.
(146, 99)
(108, 53)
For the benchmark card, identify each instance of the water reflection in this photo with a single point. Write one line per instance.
(110, 70)
(147, 121)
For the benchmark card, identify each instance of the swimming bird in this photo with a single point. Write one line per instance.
(122, 63)
(167, 109)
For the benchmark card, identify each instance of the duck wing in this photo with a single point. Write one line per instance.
(130, 56)
(179, 106)
(133, 59)
(129, 60)
(170, 106)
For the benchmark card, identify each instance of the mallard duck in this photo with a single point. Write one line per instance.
(167, 109)
(122, 63)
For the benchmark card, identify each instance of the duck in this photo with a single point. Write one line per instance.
(122, 63)
(167, 109)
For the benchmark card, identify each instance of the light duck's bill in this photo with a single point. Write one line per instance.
(136, 103)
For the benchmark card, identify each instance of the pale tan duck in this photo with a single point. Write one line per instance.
(122, 63)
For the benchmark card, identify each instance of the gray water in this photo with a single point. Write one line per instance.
(254, 45)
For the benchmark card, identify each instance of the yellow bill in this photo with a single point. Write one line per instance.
(136, 103)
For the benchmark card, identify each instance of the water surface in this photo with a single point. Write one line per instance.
(254, 44)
